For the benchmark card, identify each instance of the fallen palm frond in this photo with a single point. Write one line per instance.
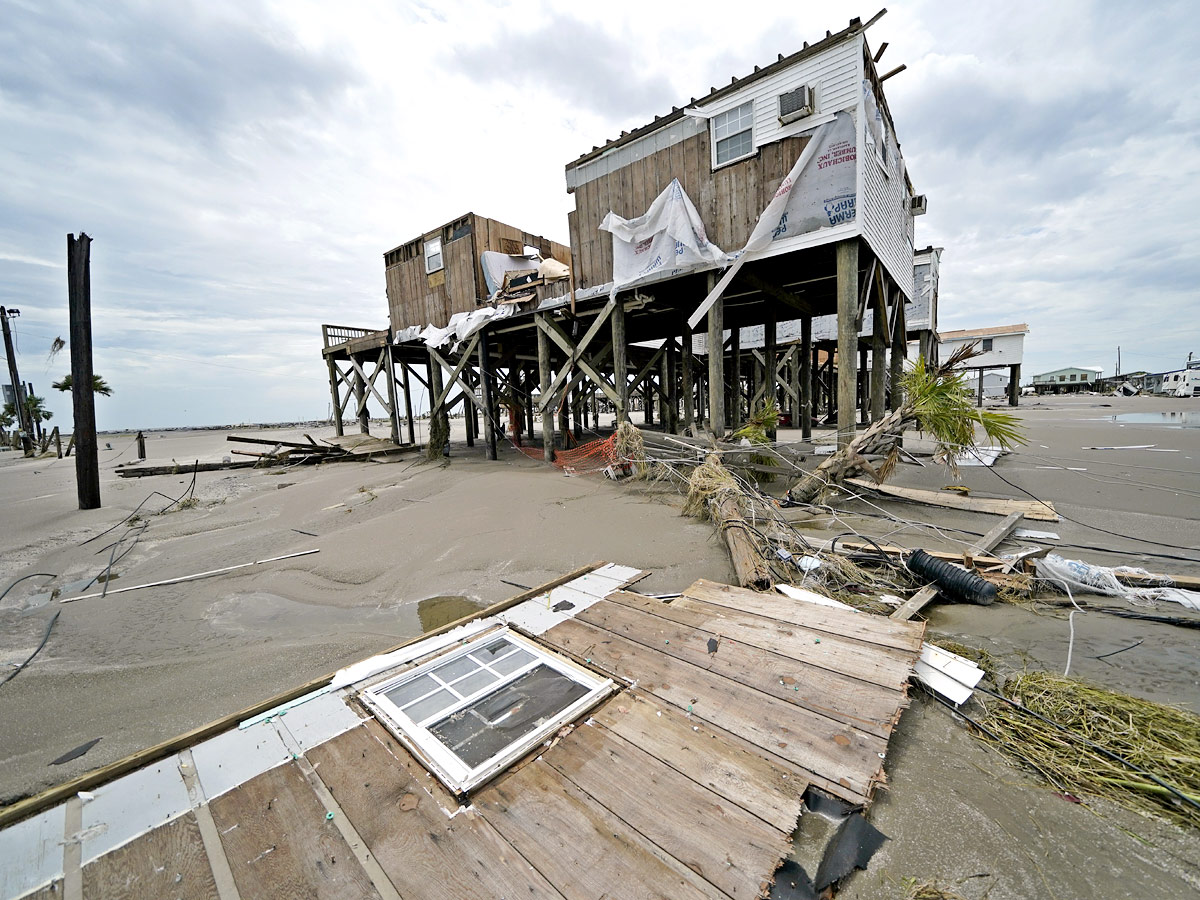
(762, 420)
(936, 400)
(630, 448)
(1090, 731)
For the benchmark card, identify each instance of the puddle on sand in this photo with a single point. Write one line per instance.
(434, 612)
(1190, 419)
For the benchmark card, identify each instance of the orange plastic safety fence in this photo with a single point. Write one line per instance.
(594, 456)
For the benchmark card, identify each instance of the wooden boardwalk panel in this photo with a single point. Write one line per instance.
(757, 656)
(771, 789)
(582, 848)
(169, 861)
(280, 845)
(840, 758)
(878, 630)
(424, 852)
(731, 849)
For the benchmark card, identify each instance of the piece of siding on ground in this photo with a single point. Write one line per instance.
(689, 783)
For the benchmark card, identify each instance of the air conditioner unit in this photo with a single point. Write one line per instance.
(796, 104)
(919, 205)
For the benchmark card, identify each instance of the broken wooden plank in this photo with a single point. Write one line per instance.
(281, 845)
(770, 788)
(578, 845)
(838, 622)
(722, 843)
(988, 542)
(419, 847)
(185, 468)
(839, 758)
(1041, 510)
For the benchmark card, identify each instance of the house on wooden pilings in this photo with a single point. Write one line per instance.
(447, 272)
(729, 152)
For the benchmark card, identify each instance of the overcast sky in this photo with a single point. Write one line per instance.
(242, 167)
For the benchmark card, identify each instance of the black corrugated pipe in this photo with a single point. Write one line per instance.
(953, 580)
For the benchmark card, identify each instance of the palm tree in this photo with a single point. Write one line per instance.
(99, 385)
(38, 413)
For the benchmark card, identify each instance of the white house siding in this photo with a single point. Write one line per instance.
(1007, 350)
(922, 314)
(883, 208)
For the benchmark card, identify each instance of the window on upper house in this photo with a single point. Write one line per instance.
(1062, 377)
(733, 134)
(471, 712)
(1072, 376)
(1083, 377)
(987, 344)
(433, 255)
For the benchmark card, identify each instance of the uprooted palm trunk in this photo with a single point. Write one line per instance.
(715, 493)
(938, 401)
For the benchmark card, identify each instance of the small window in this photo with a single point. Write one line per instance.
(469, 713)
(1083, 377)
(1072, 376)
(987, 344)
(733, 133)
(1062, 377)
(433, 255)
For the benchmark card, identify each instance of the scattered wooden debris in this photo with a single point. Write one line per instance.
(1040, 510)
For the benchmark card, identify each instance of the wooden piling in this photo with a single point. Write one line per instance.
(487, 394)
(804, 389)
(716, 362)
(79, 299)
(847, 336)
(543, 346)
(620, 362)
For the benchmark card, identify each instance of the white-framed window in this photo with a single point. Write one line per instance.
(433, 255)
(469, 713)
(733, 134)
(987, 344)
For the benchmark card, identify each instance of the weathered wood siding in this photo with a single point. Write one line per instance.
(418, 298)
(729, 200)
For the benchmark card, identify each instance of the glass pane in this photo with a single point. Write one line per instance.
(512, 662)
(486, 726)
(456, 668)
(733, 147)
(493, 651)
(434, 703)
(475, 683)
(411, 690)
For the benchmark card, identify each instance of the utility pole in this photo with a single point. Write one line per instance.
(79, 300)
(17, 386)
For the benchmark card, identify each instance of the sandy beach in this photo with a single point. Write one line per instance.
(407, 544)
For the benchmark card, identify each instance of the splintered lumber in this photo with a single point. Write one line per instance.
(142, 471)
(918, 601)
(1041, 510)
(751, 568)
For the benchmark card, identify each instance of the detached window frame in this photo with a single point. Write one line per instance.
(735, 129)
(433, 255)
(468, 663)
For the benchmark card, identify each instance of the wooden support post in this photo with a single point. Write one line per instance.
(878, 366)
(393, 406)
(770, 356)
(864, 385)
(805, 376)
(898, 352)
(543, 345)
(79, 300)
(438, 411)
(336, 395)
(18, 387)
(733, 406)
(530, 382)
(58, 442)
(926, 343)
(408, 414)
(716, 362)
(671, 415)
(487, 392)
(979, 391)
(1014, 384)
(620, 362)
(847, 304)
(141, 445)
(470, 423)
(687, 378)
(360, 401)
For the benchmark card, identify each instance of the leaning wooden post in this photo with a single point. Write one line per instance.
(687, 389)
(412, 434)
(770, 376)
(543, 346)
(805, 388)
(716, 362)
(847, 338)
(487, 396)
(620, 361)
(79, 299)
(141, 445)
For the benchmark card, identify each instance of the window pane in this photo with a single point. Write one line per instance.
(411, 690)
(456, 668)
(431, 705)
(733, 147)
(493, 651)
(512, 662)
(475, 682)
(486, 726)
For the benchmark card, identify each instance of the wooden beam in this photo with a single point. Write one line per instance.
(543, 345)
(487, 394)
(781, 294)
(806, 393)
(79, 302)
(847, 337)
(716, 361)
(455, 370)
(554, 331)
(620, 364)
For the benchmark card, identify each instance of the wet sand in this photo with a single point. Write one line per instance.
(137, 668)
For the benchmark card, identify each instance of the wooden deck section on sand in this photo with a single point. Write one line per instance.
(688, 783)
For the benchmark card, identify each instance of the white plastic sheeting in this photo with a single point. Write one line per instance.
(669, 238)
(1084, 578)
(460, 327)
(821, 191)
